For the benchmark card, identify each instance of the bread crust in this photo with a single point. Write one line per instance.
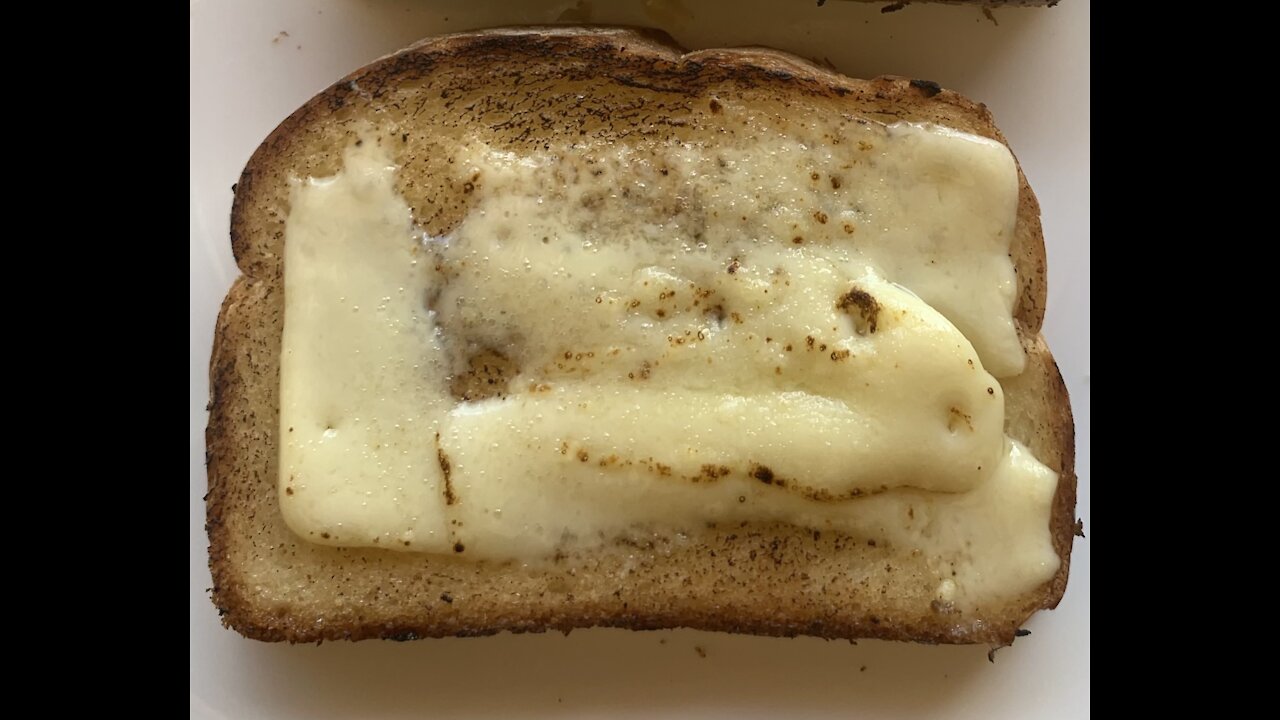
(753, 578)
(889, 6)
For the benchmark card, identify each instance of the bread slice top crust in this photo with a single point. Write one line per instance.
(520, 89)
(889, 6)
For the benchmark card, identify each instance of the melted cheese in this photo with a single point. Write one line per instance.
(781, 332)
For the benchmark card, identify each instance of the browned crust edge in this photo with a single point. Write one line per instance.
(888, 6)
(643, 48)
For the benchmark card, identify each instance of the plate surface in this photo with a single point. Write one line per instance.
(252, 63)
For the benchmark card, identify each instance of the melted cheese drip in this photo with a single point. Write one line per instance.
(780, 332)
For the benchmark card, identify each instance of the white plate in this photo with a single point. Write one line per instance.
(252, 63)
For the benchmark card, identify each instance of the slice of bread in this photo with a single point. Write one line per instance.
(893, 5)
(521, 88)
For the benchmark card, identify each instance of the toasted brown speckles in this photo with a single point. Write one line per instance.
(324, 535)
(713, 472)
(838, 355)
(583, 456)
(715, 108)
(821, 217)
(288, 491)
(762, 473)
(848, 228)
(863, 308)
(797, 240)
(733, 266)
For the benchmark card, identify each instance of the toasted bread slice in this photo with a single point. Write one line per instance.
(893, 5)
(520, 88)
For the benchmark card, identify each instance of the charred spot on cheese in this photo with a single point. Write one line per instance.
(863, 308)
(487, 374)
(446, 471)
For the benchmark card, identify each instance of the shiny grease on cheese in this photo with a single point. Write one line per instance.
(786, 331)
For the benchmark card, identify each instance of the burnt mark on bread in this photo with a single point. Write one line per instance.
(632, 82)
(928, 88)
(863, 308)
